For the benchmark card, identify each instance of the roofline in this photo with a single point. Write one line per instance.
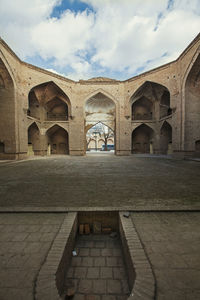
(32, 66)
(167, 64)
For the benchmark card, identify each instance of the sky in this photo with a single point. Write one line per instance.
(81, 39)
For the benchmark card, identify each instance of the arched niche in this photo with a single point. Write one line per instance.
(142, 139)
(166, 138)
(58, 140)
(142, 109)
(156, 94)
(7, 111)
(33, 140)
(56, 109)
(53, 102)
(192, 106)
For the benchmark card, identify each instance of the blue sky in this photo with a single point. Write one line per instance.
(81, 39)
(75, 6)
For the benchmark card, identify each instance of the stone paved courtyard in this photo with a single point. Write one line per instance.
(171, 239)
(25, 240)
(101, 181)
(172, 244)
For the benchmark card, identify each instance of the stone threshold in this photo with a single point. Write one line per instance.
(58, 209)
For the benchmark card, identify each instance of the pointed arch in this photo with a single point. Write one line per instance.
(147, 85)
(7, 110)
(142, 139)
(101, 91)
(166, 138)
(100, 133)
(58, 140)
(33, 122)
(33, 139)
(191, 104)
(48, 91)
(157, 94)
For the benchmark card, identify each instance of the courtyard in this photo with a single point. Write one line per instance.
(100, 181)
(162, 195)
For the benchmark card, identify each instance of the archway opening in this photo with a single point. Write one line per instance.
(151, 101)
(7, 113)
(48, 102)
(58, 140)
(142, 140)
(166, 138)
(100, 112)
(33, 140)
(57, 110)
(192, 107)
(100, 138)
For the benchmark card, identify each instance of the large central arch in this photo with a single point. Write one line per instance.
(100, 108)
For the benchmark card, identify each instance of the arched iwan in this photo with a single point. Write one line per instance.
(58, 140)
(8, 138)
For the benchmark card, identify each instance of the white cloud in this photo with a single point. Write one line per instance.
(118, 36)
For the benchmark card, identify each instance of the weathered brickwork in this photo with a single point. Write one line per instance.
(42, 113)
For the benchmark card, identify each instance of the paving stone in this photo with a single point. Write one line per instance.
(95, 252)
(106, 272)
(85, 286)
(99, 244)
(84, 252)
(79, 297)
(87, 262)
(112, 261)
(80, 272)
(99, 286)
(99, 261)
(107, 252)
(119, 273)
(108, 297)
(92, 297)
(114, 286)
(93, 272)
(76, 261)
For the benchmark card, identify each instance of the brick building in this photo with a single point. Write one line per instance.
(42, 113)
